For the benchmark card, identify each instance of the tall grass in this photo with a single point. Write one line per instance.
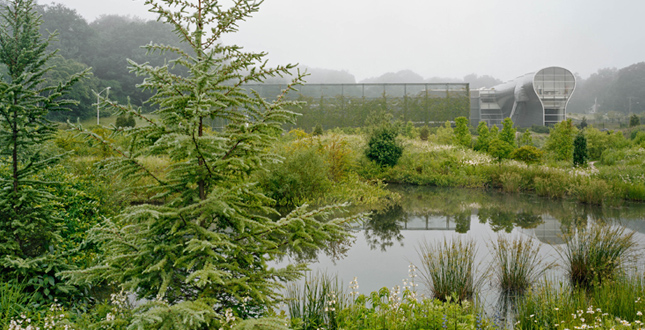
(448, 269)
(315, 304)
(596, 253)
(13, 302)
(608, 306)
(517, 263)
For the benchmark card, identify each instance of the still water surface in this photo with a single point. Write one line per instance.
(386, 244)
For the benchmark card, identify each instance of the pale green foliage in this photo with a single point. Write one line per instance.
(508, 132)
(598, 142)
(203, 244)
(560, 140)
(483, 138)
(445, 134)
(494, 132)
(500, 149)
(461, 133)
(526, 139)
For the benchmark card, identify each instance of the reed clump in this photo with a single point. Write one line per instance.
(448, 268)
(315, 304)
(517, 263)
(596, 253)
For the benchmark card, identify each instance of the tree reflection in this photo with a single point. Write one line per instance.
(382, 227)
(499, 218)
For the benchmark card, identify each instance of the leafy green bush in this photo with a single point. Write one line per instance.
(424, 133)
(318, 130)
(301, 177)
(125, 121)
(528, 154)
(383, 148)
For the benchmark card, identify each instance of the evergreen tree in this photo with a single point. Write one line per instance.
(204, 244)
(29, 230)
(483, 138)
(634, 121)
(580, 154)
(461, 133)
(583, 123)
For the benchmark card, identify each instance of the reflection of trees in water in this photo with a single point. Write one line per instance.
(382, 227)
(501, 218)
(462, 221)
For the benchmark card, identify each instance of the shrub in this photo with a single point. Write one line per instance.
(528, 154)
(445, 134)
(318, 130)
(383, 148)
(448, 269)
(123, 121)
(539, 129)
(595, 254)
(424, 133)
(634, 121)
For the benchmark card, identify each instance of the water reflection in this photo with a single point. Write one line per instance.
(434, 209)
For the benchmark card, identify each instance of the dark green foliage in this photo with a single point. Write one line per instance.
(318, 130)
(580, 154)
(539, 129)
(462, 134)
(205, 241)
(528, 154)
(29, 228)
(634, 121)
(583, 123)
(383, 148)
(125, 121)
(483, 138)
(424, 133)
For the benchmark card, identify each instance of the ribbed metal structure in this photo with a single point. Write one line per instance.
(533, 99)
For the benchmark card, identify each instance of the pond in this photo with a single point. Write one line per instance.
(386, 243)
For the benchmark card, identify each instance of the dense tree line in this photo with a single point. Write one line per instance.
(611, 90)
(105, 45)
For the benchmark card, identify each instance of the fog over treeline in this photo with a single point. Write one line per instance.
(107, 43)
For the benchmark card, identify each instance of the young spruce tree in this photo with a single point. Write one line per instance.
(201, 249)
(29, 229)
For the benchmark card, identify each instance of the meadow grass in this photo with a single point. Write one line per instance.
(517, 263)
(448, 269)
(596, 253)
(615, 304)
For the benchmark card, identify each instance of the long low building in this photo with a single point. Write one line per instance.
(538, 98)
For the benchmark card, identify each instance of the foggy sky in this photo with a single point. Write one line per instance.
(367, 38)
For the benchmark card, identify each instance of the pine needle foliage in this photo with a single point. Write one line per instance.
(204, 244)
(29, 229)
